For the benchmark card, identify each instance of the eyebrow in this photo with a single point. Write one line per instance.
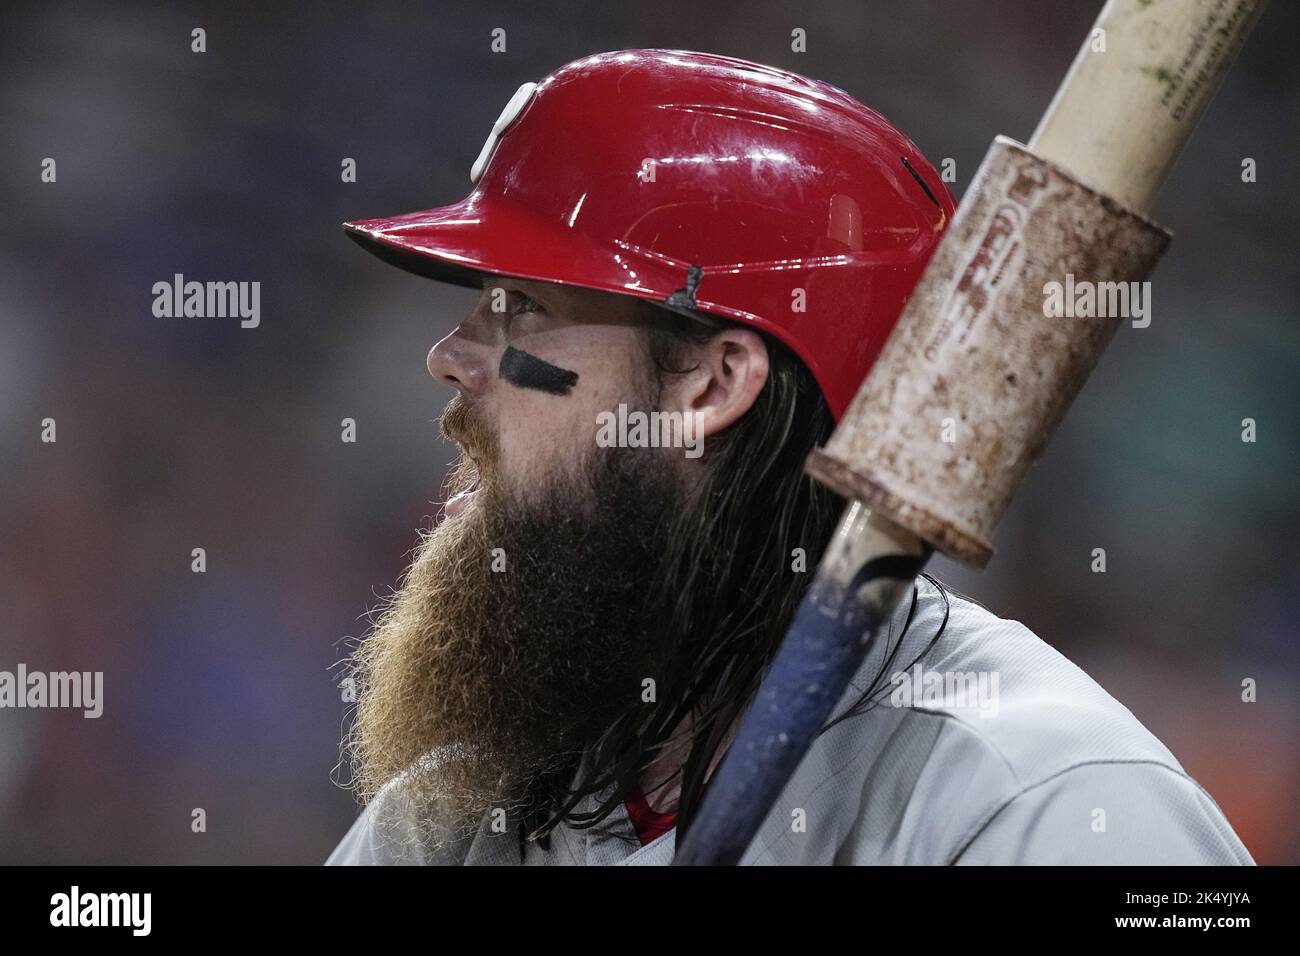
(517, 287)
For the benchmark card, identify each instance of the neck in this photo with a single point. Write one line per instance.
(666, 797)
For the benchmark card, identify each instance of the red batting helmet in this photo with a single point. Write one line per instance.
(698, 181)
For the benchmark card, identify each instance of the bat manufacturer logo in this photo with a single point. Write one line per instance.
(998, 255)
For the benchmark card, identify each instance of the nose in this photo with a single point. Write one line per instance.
(460, 363)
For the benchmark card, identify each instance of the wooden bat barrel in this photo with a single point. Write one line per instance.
(1047, 256)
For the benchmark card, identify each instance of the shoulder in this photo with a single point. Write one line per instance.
(1013, 754)
(1012, 693)
(1106, 813)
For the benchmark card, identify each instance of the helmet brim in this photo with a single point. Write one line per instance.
(478, 236)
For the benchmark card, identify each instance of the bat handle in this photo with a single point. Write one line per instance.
(869, 565)
(1136, 90)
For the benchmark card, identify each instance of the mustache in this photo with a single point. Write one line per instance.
(465, 424)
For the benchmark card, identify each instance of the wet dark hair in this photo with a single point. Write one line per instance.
(731, 587)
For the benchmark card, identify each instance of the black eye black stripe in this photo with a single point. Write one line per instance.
(525, 370)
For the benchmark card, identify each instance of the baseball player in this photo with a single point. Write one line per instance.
(687, 263)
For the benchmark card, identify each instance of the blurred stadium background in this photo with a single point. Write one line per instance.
(175, 434)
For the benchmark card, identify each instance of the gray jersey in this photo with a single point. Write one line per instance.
(993, 748)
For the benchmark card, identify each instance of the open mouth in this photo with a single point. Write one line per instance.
(463, 499)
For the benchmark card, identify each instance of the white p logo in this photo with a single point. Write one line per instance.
(508, 116)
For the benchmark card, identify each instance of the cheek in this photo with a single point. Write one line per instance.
(541, 439)
(541, 434)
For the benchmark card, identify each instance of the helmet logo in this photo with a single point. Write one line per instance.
(508, 116)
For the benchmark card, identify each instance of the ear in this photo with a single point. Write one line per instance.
(726, 374)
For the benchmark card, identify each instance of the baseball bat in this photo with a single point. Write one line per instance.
(977, 374)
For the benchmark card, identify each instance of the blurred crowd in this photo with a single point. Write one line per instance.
(221, 690)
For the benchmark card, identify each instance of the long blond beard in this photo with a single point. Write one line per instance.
(478, 689)
(410, 671)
